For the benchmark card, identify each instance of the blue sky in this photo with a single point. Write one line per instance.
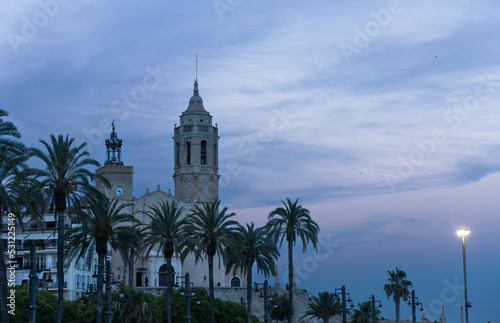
(380, 116)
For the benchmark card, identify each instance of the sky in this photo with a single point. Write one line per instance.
(380, 116)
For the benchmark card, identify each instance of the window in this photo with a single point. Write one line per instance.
(203, 152)
(177, 151)
(188, 153)
(215, 154)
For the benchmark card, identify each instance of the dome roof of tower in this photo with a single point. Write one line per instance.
(196, 102)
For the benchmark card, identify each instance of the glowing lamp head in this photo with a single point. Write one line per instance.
(463, 232)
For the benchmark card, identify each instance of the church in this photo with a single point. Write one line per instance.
(196, 179)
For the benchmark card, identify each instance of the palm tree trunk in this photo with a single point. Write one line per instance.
(60, 262)
(397, 310)
(131, 269)
(3, 286)
(100, 283)
(290, 281)
(249, 294)
(211, 287)
(170, 284)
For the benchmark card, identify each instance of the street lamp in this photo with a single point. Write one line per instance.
(344, 302)
(49, 280)
(463, 232)
(33, 278)
(372, 299)
(108, 292)
(188, 292)
(413, 304)
(266, 298)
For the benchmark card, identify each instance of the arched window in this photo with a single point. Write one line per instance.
(215, 154)
(235, 282)
(188, 153)
(203, 152)
(177, 151)
(162, 275)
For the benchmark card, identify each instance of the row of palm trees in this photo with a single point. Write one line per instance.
(207, 232)
(327, 305)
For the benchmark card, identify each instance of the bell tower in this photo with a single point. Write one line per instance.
(196, 154)
(120, 177)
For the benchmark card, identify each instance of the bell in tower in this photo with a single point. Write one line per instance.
(196, 154)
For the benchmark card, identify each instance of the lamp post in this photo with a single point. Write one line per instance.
(344, 302)
(266, 298)
(373, 306)
(32, 276)
(108, 292)
(188, 292)
(463, 232)
(413, 305)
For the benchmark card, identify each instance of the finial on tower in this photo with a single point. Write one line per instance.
(113, 125)
(195, 91)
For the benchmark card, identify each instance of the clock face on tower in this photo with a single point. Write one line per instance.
(119, 191)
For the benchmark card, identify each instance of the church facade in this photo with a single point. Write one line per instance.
(196, 178)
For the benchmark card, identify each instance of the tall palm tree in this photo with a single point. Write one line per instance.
(324, 307)
(397, 286)
(252, 246)
(64, 173)
(292, 222)
(12, 154)
(165, 231)
(102, 222)
(211, 231)
(365, 313)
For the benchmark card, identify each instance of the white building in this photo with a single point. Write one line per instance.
(196, 180)
(77, 278)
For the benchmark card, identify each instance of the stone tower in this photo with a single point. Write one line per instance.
(120, 177)
(196, 154)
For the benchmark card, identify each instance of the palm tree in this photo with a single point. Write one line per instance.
(211, 231)
(324, 307)
(12, 155)
(289, 223)
(102, 222)
(64, 174)
(252, 245)
(166, 229)
(365, 314)
(397, 287)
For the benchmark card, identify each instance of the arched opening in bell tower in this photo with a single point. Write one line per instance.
(203, 152)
